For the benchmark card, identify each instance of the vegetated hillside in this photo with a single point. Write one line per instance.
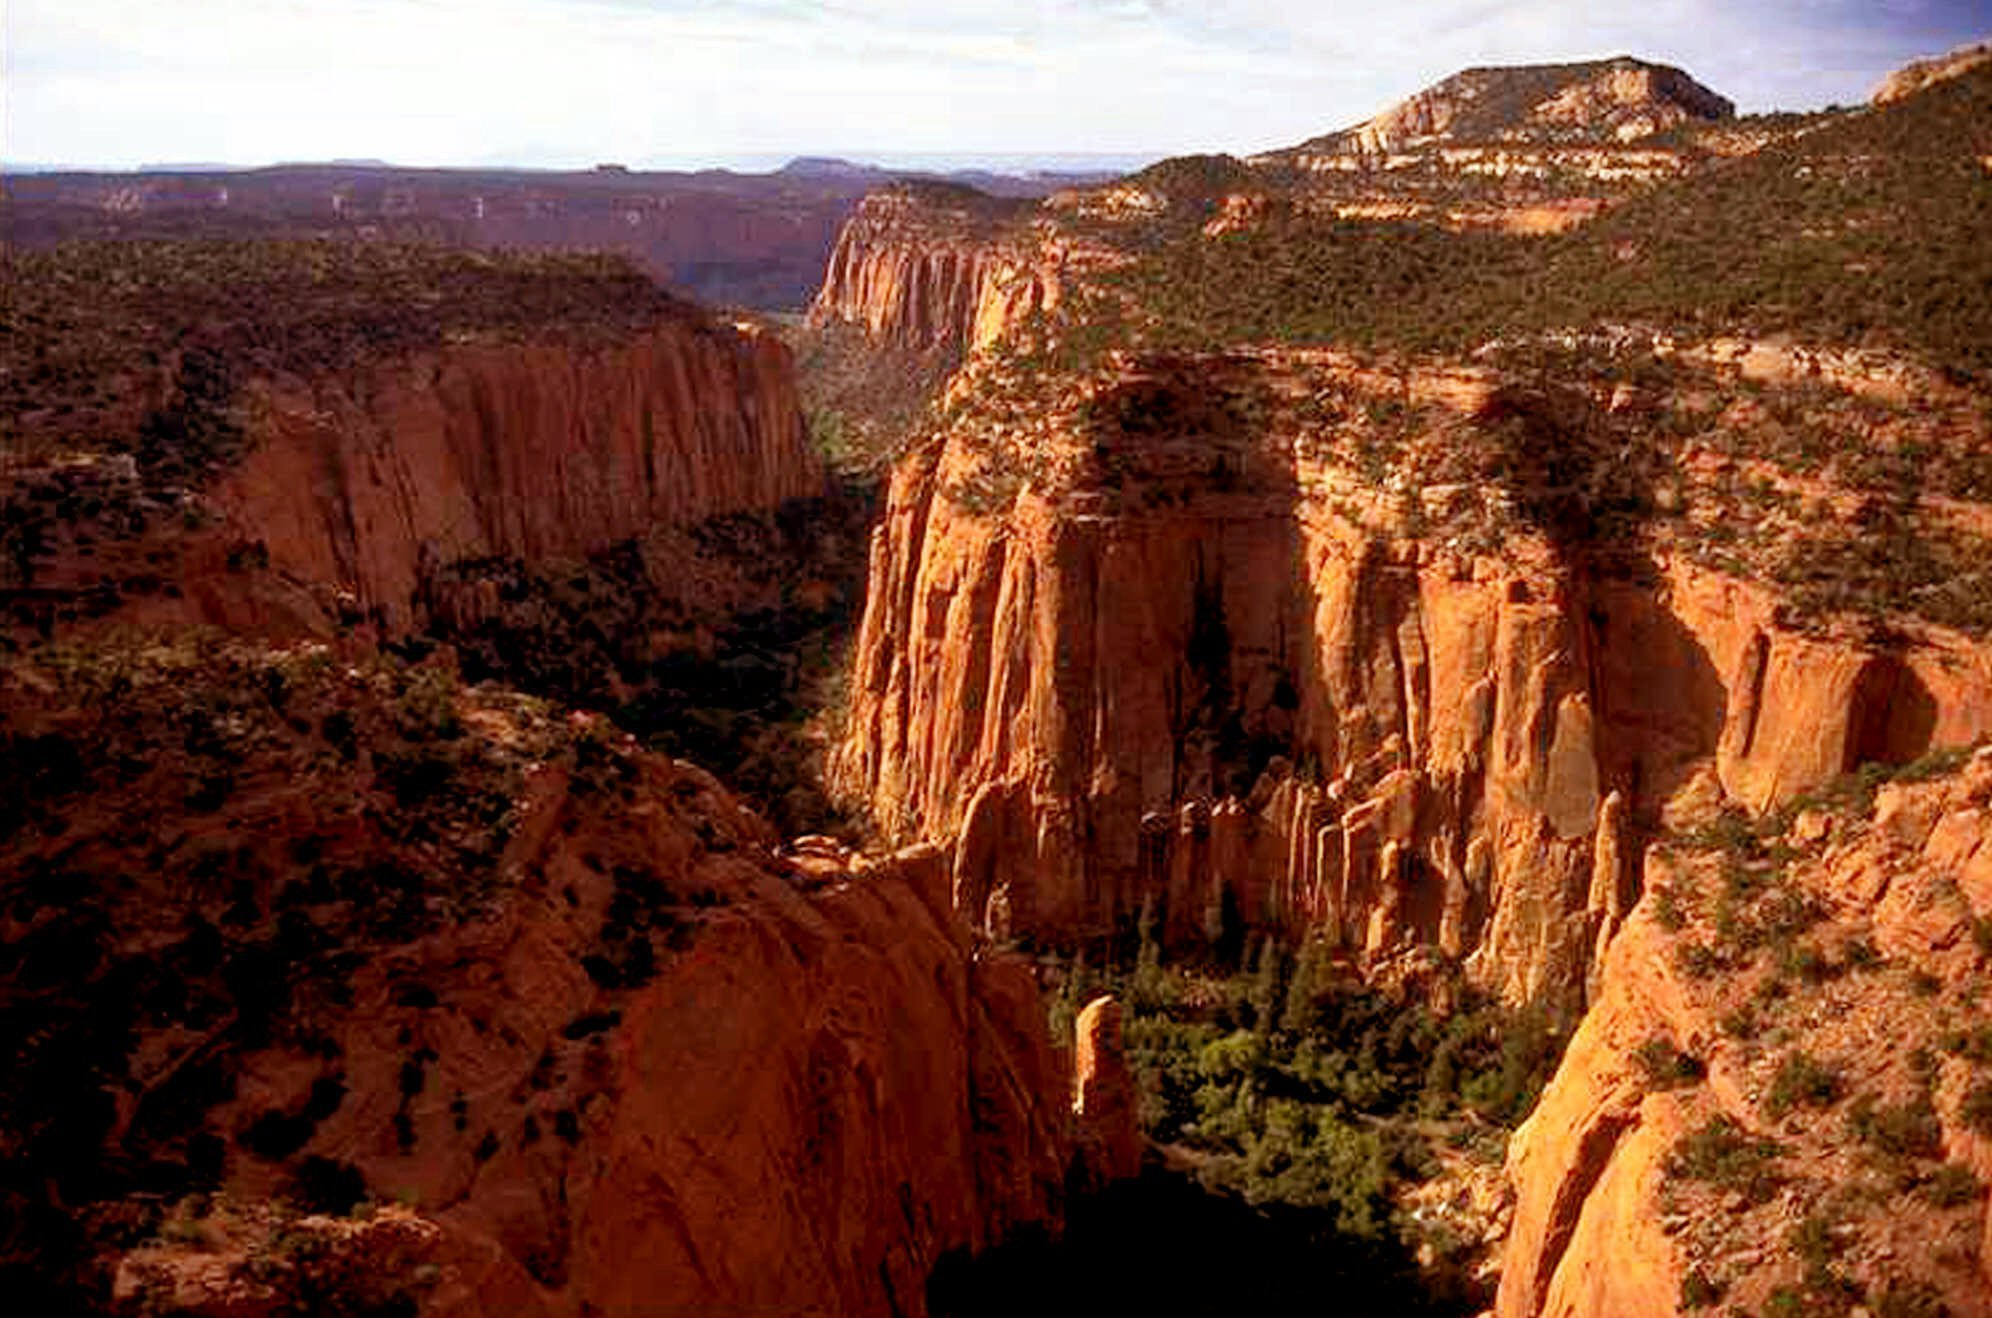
(1609, 101)
(1874, 230)
(725, 643)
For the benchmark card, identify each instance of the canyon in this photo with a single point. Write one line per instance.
(1199, 676)
(1615, 685)
(723, 237)
(1242, 640)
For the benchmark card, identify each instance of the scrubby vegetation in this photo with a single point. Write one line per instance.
(202, 844)
(863, 401)
(1834, 1133)
(142, 347)
(1870, 231)
(741, 672)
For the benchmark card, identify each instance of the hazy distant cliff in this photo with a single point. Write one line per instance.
(939, 270)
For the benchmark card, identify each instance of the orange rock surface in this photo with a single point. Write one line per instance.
(1608, 1222)
(1194, 671)
(367, 482)
(824, 1087)
(1104, 1096)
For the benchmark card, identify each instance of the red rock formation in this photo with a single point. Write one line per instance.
(1918, 74)
(1080, 691)
(1104, 1099)
(1609, 101)
(1609, 1222)
(367, 481)
(822, 1087)
(942, 270)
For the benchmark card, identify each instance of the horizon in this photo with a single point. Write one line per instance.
(1015, 164)
(107, 85)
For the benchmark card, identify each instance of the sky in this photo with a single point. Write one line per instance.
(570, 83)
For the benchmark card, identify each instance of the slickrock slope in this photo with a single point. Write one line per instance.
(1912, 78)
(1782, 1096)
(1608, 101)
(1528, 149)
(1176, 640)
(562, 1000)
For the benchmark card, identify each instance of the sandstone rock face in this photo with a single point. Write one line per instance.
(1618, 100)
(1227, 695)
(942, 271)
(1611, 1218)
(367, 482)
(1104, 1097)
(1914, 77)
(824, 1086)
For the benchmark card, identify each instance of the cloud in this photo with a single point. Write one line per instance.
(573, 81)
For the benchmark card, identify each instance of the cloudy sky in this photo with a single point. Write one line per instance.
(572, 82)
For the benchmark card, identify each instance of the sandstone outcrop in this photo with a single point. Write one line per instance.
(643, 1059)
(1611, 101)
(369, 481)
(1105, 1101)
(943, 272)
(1721, 1105)
(1914, 77)
(1187, 669)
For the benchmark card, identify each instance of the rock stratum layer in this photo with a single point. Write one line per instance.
(1187, 659)
(1783, 1085)
(370, 480)
(945, 271)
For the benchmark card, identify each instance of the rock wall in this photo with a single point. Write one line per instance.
(1609, 1220)
(825, 1086)
(923, 275)
(367, 481)
(1227, 699)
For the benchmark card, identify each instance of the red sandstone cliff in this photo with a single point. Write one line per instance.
(1185, 661)
(613, 1053)
(368, 480)
(1645, 1182)
(946, 271)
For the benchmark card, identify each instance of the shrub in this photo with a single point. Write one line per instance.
(1976, 1110)
(1666, 1066)
(1902, 1130)
(1910, 1299)
(1724, 1154)
(1952, 1186)
(1802, 1079)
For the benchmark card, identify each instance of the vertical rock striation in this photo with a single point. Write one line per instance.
(943, 270)
(1202, 681)
(368, 480)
